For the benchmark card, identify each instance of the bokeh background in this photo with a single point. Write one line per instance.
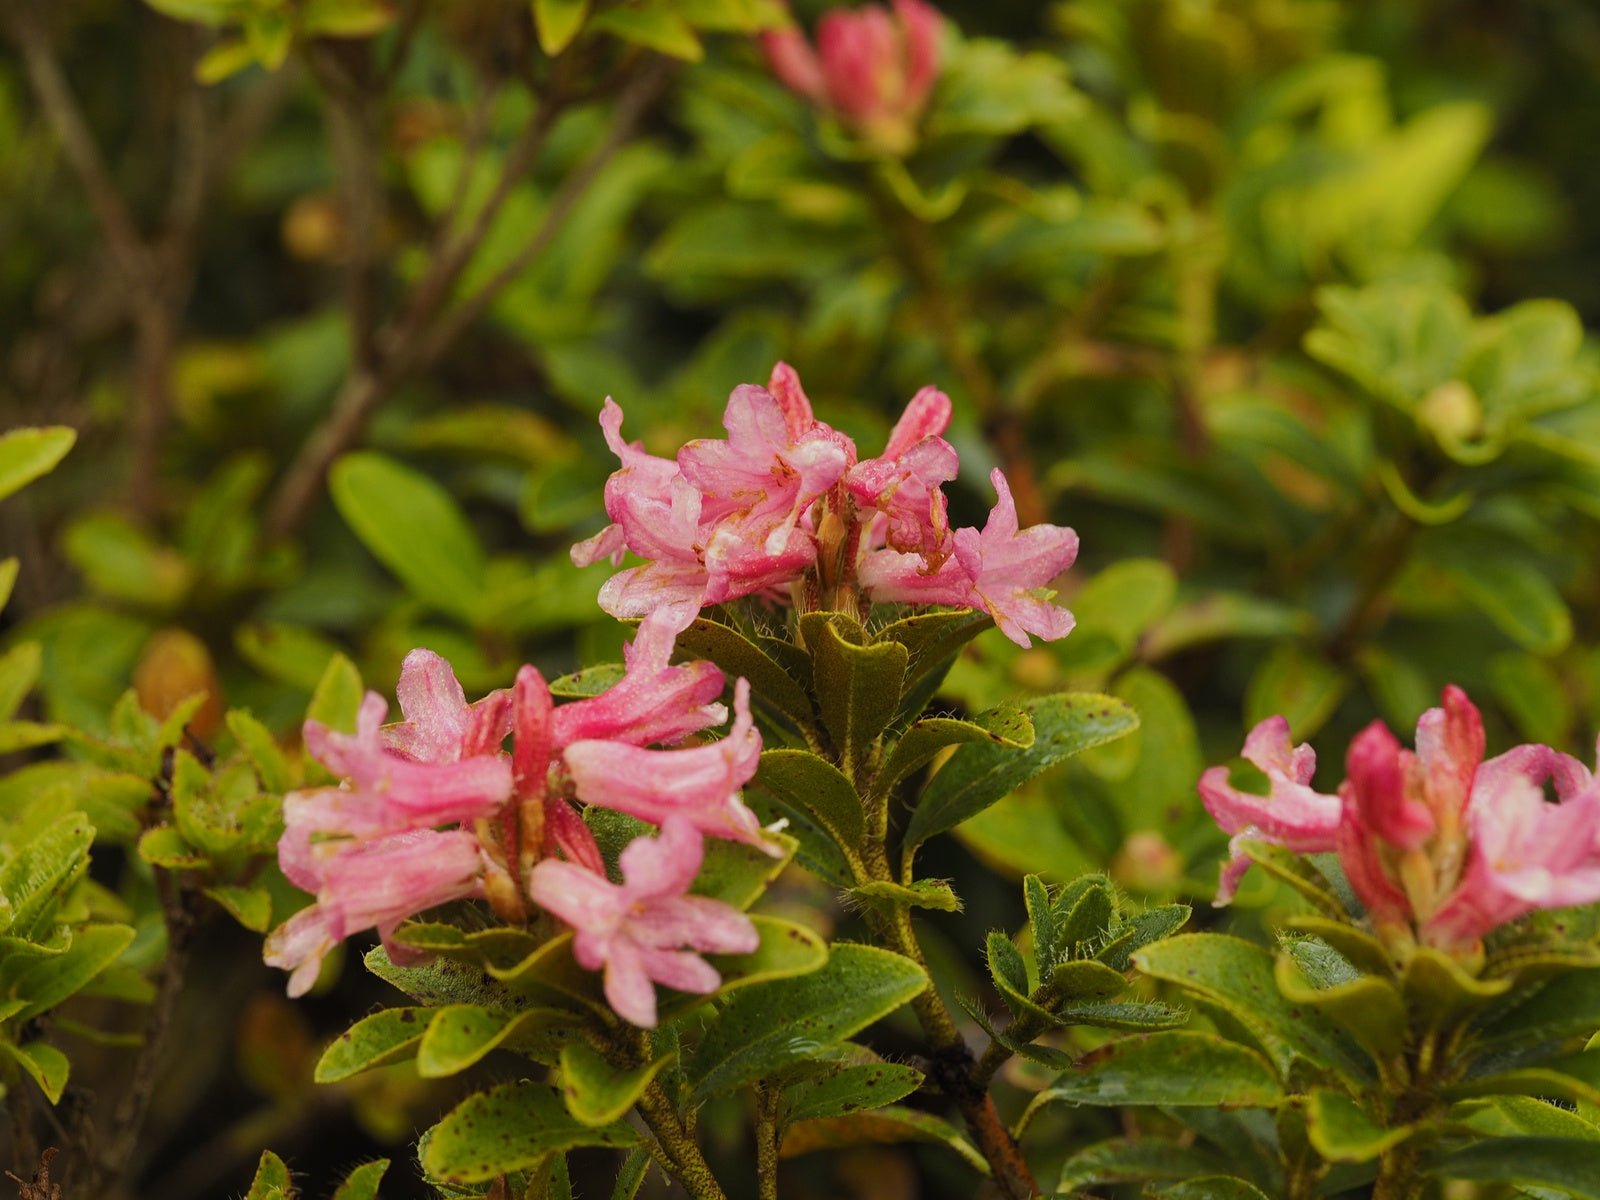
(1281, 304)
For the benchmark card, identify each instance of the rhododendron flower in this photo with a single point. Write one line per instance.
(1438, 845)
(784, 501)
(1526, 853)
(371, 851)
(646, 930)
(873, 68)
(373, 883)
(1001, 569)
(1292, 814)
(699, 785)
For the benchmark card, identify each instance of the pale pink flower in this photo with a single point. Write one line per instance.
(372, 883)
(1001, 569)
(905, 482)
(1292, 814)
(761, 474)
(440, 726)
(700, 784)
(1525, 853)
(874, 69)
(653, 701)
(647, 930)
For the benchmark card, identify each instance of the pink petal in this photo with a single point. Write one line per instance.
(628, 987)
(680, 969)
(927, 416)
(584, 900)
(664, 865)
(1377, 771)
(435, 710)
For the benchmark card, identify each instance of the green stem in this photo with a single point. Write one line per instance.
(767, 1142)
(678, 1156)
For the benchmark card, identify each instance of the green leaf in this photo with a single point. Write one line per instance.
(256, 740)
(1573, 1078)
(1139, 931)
(1212, 1187)
(1343, 1131)
(42, 1063)
(1566, 1164)
(978, 775)
(655, 26)
(272, 1179)
(1297, 683)
(1124, 1160)
(1238, 978)
(990, 88)
(1006, 726)
(510, 1128)
(558, 22)
(1512, 592)
(891, 1124)
(1224, 616)
(1298, 872)
(345, 18)
(922, 893)
(337, 697)
(1083, 911)
(460, 1035)
(737, 873)
(597, 1093)
(630, 1176)
(287, 653)
(362, 1183)
(768, 1026)
(729, 649)
(837, 1089)
(1439, 991)
(221, 61)
(590, 681)
(26, 454)
(786, 950)
(164, 846)
(118, 559)
(1042, 920)
(1136, 1016)
(19, 671)
(1367, 1007)
(8, 579)
(38, 874)
(932, 641)
(1566, 1006)
(442, 981)
(251, 907)
(374, 1041)
(1174, 1068)
(813, 785)
(857, 686)
(414, 527)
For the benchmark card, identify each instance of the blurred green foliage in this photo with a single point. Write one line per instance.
(1240, 289)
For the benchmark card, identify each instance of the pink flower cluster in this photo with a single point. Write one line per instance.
(432, 810)
(1437, 843)
(784, 503)
(873, 68)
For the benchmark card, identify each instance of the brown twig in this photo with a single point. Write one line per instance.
(1001, 424)
(415, 341)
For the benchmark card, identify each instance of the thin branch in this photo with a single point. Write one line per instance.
(360, 199)
(72, 131)
(409, 347)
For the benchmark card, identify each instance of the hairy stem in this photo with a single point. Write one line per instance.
(767, 1142)
(951, 1064)
(679, 1156)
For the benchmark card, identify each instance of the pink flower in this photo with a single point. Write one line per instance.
(654, 701)
(440, 726)
(1525, 853)
(367, 884)
(1001, 569)
(874, 69)
(1292, 814)
(699, 785)
(646, 930)
(904, 483)
(385, 790)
